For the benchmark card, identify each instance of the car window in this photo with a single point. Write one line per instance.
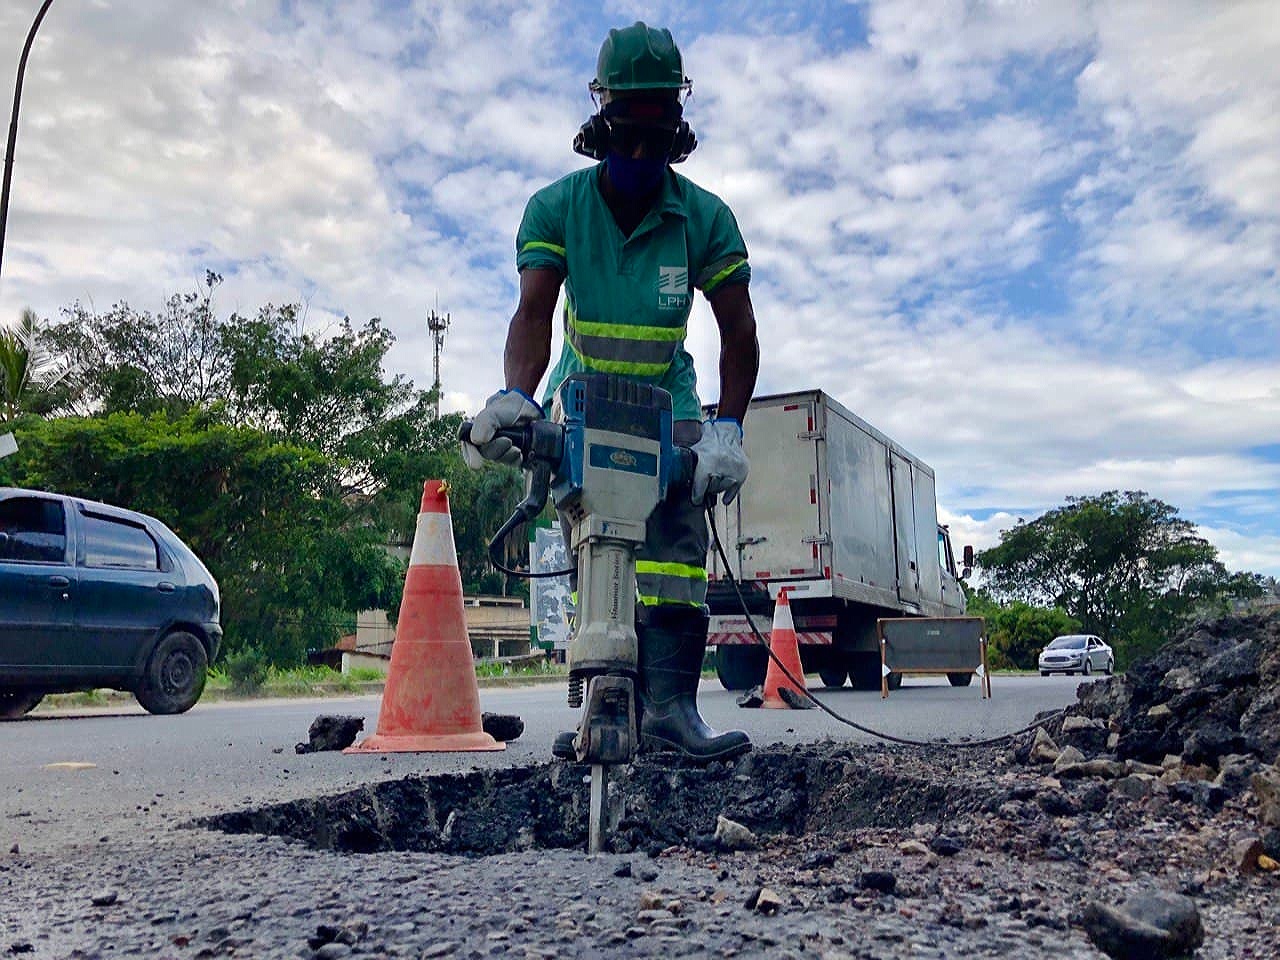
(1067, 643)
(33, 529)
(115, 543)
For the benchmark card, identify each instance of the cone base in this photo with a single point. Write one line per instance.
(778, 704)
(427, 743)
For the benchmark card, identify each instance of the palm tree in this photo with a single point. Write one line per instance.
(26, 368)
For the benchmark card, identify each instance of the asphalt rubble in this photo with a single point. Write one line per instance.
(1143, 822)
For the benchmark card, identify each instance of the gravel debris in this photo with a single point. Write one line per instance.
(862, 851)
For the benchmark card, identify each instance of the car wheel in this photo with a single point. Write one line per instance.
(1044, 673)
(1087, 669)
(1111, 667)
(15, 704)
(893, 681)
(960, 679)
(175, 675)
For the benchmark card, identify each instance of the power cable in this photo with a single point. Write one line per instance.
(527, 510)
(759, 639)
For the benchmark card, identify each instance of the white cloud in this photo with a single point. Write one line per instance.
(1117, 162)
(1259, 554)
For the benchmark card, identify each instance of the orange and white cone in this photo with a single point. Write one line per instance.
(786, 648)
(431, 701)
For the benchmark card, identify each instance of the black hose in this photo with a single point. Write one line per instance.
(529, 508)
(799, 682)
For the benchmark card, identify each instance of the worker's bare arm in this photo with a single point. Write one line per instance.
(739, 349)
(528, 350)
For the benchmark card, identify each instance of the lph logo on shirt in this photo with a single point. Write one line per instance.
(673, 288)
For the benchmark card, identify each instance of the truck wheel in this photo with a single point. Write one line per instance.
(960, 679)
(833, 677)
(894, 681)
(864, 671)
(741, 666)
(175, 675)
(18, 703)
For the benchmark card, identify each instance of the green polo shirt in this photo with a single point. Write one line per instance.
(627, 299)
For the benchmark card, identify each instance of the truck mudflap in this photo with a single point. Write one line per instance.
(729, 630)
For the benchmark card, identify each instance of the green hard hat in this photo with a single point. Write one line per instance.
(639, 57)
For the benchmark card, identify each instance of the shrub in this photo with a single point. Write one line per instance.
(247, 670)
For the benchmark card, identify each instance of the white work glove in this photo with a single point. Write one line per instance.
(722, 465)
(504, 410)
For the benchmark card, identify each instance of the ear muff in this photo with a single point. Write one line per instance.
(683, 144)
(592, 140)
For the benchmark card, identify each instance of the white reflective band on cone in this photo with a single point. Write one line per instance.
(782, 617)
(433, 542)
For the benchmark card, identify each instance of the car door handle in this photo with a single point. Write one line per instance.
(59, 582)
(164, 586)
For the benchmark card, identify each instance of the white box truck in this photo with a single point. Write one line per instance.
(845, 521)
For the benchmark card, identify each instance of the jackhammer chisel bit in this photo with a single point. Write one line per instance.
(607, 737)
(598, 816)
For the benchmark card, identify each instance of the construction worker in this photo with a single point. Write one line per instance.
(630, 240)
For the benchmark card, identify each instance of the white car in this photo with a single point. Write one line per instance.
(1080, 653)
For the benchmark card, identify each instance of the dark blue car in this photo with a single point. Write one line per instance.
(95, 596)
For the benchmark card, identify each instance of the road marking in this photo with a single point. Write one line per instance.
(70, 765)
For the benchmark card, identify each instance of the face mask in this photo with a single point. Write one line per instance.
(634, 177)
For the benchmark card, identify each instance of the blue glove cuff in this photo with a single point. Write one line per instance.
(526, 396)
(734, 421)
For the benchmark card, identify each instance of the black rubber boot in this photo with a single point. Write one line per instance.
(562, 748)
(672, 646)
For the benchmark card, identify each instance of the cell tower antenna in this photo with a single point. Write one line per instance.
(438, 325)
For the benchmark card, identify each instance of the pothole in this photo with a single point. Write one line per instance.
(657, 802)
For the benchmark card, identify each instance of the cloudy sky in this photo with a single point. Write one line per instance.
(1035, 242)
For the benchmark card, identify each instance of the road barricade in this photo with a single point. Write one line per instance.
(955, 647)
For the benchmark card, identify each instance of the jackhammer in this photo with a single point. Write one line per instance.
(607, 458)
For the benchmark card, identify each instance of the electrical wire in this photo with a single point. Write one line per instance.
(516, 518)
(799, 682)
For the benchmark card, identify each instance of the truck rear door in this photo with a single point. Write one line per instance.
(904, 528)
(774, 529)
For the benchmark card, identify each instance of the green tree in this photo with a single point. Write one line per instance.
(290, 565)
(1124, 565)
(173, 360)
(29, 373)
(1016, 633)
(319, 390)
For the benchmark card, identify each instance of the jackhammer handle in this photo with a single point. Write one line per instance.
(680, 481)
(519, 436)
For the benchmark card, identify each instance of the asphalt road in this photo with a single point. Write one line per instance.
(98, 856)
(76, 777)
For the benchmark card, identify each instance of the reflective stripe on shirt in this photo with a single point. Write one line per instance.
(642, 351)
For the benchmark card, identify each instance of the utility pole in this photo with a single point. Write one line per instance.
(13, 126)
(437, 324)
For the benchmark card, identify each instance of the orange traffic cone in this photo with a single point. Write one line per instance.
(431, 701)
(784, 646)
